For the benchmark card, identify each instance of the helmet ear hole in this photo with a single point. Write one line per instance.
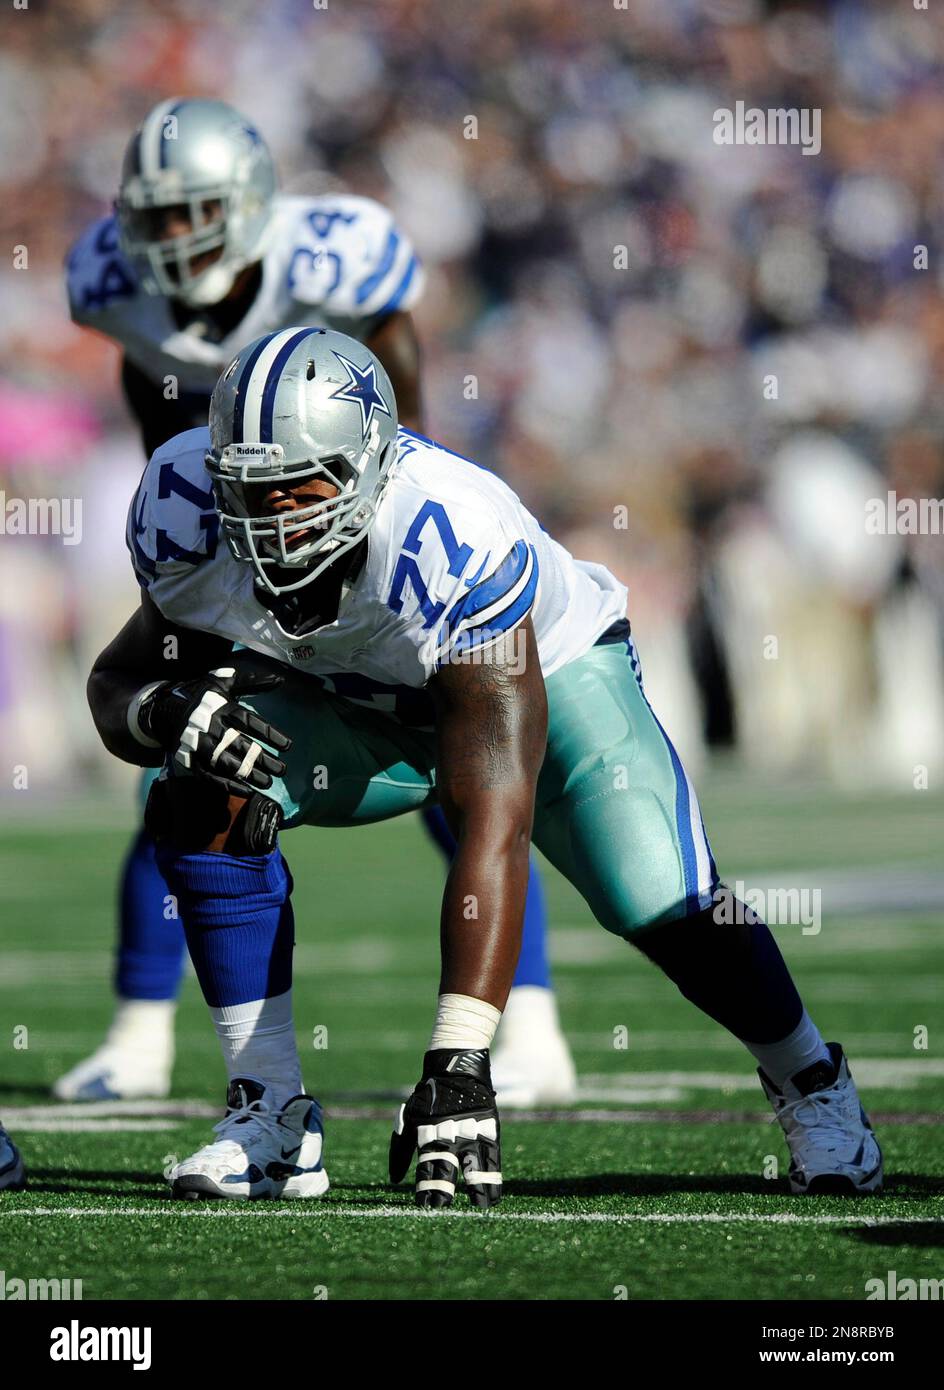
(310, 370)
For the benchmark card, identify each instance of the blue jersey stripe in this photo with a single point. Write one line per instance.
(492, 589)
(472, 637)
(398, 294)
(243, 388)
(366, 288)
(267, 408)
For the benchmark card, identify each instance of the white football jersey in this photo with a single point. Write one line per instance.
(335, 261)
(454, 561)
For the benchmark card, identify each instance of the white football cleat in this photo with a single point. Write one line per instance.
(833, 1151)
(135, 1060)
(260, 1152)
(531, 1064)
(12, 1176)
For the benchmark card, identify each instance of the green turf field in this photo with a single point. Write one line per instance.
(657, 1185)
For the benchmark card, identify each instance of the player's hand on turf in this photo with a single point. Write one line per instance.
(201, 723)
(451, 1122)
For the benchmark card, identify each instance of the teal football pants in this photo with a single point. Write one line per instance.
(614, 809)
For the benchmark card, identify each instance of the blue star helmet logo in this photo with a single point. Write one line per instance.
(361, 390)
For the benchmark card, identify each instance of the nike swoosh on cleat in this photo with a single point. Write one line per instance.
(281, 1171)
(251, 1175)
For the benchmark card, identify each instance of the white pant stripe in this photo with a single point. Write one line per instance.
(702, 853)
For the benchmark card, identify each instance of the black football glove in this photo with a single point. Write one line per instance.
(201, 723)
(452, 1120)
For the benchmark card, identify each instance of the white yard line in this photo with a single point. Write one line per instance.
(159, 1115)
(323, 1211)
(897, 1072)
(116, 1126)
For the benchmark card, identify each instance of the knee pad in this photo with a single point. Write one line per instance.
(189, 812)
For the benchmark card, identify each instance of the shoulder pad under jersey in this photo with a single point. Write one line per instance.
(349, 257)
(461, 572)
(173, 525)
(98, 277)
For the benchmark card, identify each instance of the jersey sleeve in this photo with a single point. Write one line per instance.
(492, 607)
(354, 261)
(98, 278)
(460, 582)
(172, 533)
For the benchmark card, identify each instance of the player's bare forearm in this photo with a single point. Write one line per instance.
(396, 344)
(482, 913)
(148, 648)
(492, 730)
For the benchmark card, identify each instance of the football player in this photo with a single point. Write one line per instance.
(12, 1175)
(201, 256)
(359, 561)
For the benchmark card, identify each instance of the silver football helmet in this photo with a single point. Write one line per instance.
(205, 162)
(300, 404)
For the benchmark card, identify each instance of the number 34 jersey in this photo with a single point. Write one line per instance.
(336, 261)
(454, 562)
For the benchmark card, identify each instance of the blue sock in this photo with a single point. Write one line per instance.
(238, 918)
(150, 959)
(533, 967)
(733, 973)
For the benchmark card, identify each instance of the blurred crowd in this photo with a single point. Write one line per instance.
(696, 362)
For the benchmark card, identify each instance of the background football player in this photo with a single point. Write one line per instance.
(354, 549)
(202, 256)
(11, 1164)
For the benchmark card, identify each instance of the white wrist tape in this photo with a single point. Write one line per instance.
(134, 709)
(464, 1022)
